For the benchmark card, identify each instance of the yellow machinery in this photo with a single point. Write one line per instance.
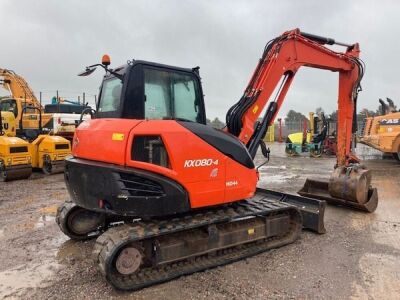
(270, 135)
(15, 158)
(47, 151)
(59, 118)
(21, 96)
(299, 142)
(18, 155)
(7, 124)
(383, 132)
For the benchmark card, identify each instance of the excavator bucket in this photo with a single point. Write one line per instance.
(347, 186)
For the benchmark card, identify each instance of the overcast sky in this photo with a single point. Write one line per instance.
(49, 42)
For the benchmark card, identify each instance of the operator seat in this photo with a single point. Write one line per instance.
(320, 136)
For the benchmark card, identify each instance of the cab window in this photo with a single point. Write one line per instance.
(170, 95)
(10, 106)
(110, 99)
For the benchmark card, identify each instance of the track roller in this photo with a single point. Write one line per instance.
(79, 223)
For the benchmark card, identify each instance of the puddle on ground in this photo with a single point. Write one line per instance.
(267, 167)
(36, 273)
(70, 249)
(13, 282)
(381, 278)
(276, 178)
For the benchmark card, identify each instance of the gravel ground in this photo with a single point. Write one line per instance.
(358, 257)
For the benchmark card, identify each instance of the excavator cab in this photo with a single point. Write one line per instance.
(143, 90)
(9, 105)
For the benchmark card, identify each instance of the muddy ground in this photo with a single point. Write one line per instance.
(358, 257)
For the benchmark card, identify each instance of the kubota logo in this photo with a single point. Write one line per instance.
(194, 163)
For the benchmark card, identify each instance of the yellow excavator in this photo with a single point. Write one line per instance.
(57, 118)
(383, 132)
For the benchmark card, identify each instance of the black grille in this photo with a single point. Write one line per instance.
(19, 149)
(62, 146)
(139, 186)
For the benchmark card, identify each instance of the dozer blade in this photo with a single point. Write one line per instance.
(16, 172)
(320, 190)
(312, 210)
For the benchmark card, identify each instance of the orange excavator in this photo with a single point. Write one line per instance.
(168, 195)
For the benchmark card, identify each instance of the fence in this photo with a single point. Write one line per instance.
(292, 127)
(46, 97)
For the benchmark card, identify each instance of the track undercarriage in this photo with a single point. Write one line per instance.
(133, 254)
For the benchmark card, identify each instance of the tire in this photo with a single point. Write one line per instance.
(397, 156)
(47, 166)
(315, 153)
(290, 152)
(3, 172)
(68, 211)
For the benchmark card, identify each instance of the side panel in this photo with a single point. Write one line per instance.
(195, 164)
(103, 140)
(240, 182)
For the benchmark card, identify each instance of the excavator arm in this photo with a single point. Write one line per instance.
(17, 86)
(277, 68)
(281, 59)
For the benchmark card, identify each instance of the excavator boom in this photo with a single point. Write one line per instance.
(17, 86)
(281, 59)
(279, 64)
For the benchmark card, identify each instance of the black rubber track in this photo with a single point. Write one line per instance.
(63, 212)
(109, 244)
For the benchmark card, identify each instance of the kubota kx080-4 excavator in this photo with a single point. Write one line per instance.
(181, 195)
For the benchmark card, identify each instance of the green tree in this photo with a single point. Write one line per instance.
(333, 116)
(216, 123)
(294, 116)
(319, 110)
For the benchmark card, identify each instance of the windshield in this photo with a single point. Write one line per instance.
(170, 95)
(9, 105)
(110, 99)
